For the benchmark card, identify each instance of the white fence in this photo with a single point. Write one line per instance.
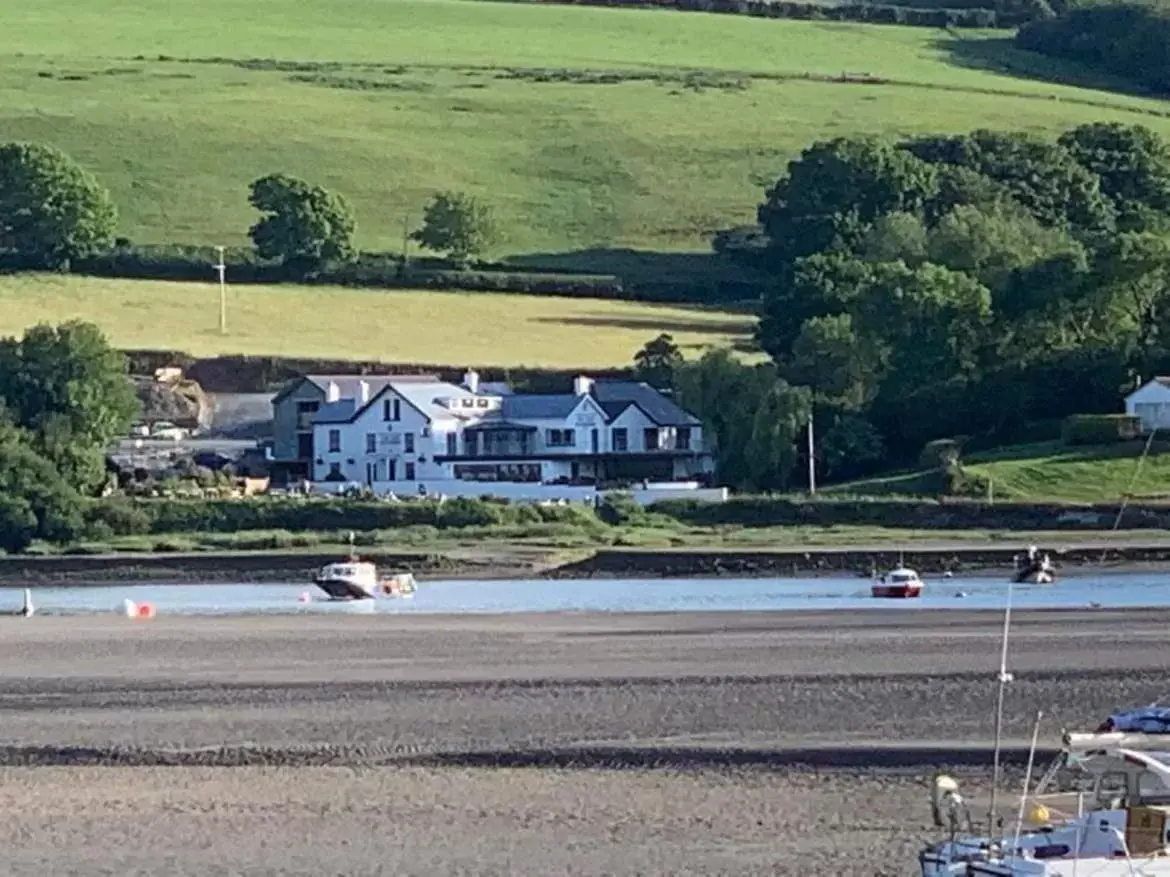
(643, 494)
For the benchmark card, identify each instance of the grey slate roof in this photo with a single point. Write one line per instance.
(615, 396)
(538, 407)
(335, 412)
(349, 386)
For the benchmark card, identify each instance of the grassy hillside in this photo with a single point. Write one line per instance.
(446, 328)
(1049, 471)
(584, 127)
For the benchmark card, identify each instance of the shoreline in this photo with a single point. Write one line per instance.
(713, 743)
(503, 564)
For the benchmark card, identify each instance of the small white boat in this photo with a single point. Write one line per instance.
(357, 579)
(900, 583)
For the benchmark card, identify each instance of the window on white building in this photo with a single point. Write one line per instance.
(371, 443)
(651, 438)
(408, 444)
(409, 473)
(391, 409)
(621, 440)
(334, 471)
(682, 438)
(560, 438)
(335, 441)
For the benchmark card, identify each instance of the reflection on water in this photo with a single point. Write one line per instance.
(600, 595)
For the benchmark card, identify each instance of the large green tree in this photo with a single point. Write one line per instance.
(35, 501)
(51, 209)
(836, 189)
(749, 413)
(304, 226)
(69, 390)
(457, 224)
(1041, 175)
(1133, 164)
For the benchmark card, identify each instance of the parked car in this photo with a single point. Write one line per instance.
(164, 429)
(140, 430)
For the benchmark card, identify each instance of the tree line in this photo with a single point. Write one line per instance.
(1125, 39)
(53, 211)
(980, 286)
(915, 13)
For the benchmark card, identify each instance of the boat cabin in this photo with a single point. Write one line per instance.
(1114, 816)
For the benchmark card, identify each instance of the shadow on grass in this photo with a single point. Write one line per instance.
(1001, 56)
(654, 324)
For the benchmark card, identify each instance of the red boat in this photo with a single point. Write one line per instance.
(900, 583)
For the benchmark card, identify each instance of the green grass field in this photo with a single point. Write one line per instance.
(585, 128)
(403, 326)
(1048, 471)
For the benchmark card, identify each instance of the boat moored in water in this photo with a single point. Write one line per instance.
(900, 583)
(1034, 568)
(357, 579)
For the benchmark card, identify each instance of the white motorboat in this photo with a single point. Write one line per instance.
(357, 579)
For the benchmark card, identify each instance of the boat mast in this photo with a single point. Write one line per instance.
(1027, 781)
(1004, 678)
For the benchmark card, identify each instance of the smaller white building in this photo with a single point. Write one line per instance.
(1150, 403)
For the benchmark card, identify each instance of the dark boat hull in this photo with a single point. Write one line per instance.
(342, 590)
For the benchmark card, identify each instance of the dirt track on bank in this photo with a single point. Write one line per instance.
(658, 744)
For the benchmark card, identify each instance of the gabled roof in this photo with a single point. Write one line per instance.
(1161, 381)
(427, 396)
(539, 407)
(616, 396)
(349, 385)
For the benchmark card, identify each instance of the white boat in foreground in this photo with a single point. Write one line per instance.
(1125, 832)
(1115, 823)
(357, 579)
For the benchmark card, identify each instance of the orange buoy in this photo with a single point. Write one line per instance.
(145, 610)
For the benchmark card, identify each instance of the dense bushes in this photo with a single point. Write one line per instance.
(1127, 39)
(121, 517)
(998, 13)
(183, 263)
(386, 271)
(1100, 429)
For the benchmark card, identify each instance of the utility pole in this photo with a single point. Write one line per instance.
(812, 459)
(221, 268)
(405, 238)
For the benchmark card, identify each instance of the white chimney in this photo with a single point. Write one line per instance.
(471, 380)
(582, 385)
(332, 392)
(364, 391)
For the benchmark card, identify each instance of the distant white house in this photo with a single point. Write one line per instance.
(420, 434)
(1151, 404)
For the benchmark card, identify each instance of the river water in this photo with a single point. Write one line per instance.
(1129, 590)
